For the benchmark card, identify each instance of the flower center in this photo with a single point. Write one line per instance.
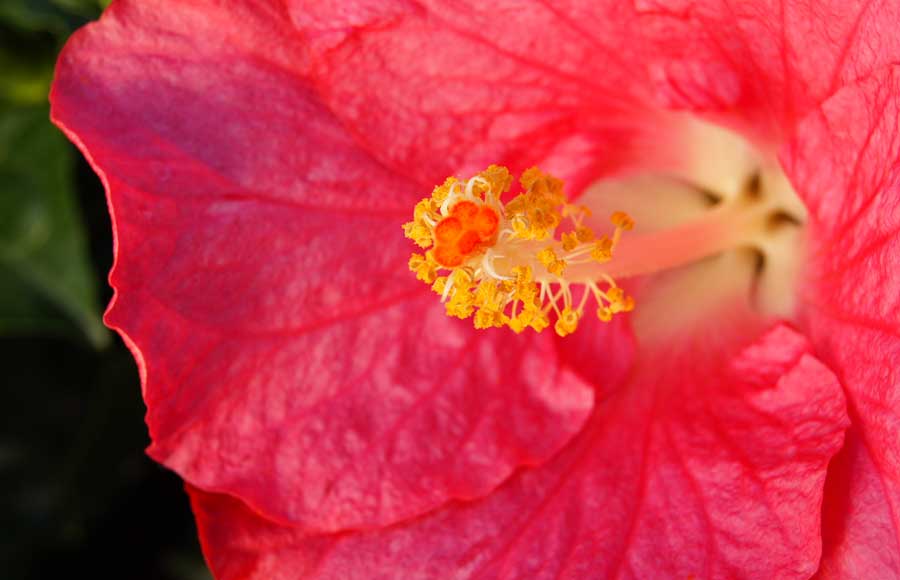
(716, 177)
(535, 260)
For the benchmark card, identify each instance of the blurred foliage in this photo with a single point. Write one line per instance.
(77, 494)
(78, 497)
(46, 284)
(60, 17)
(45, 276)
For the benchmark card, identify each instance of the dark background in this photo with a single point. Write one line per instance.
(78, 496)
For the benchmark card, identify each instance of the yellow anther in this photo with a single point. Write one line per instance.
(426, 207)
(424, 266)
(584, 234)
(604, 314)
(531, 317)
(554, 265)
(418, 232)
(524, 288)
(618, 301)
(486, 294)
(523, 274)
(620, 219)
(603, 250)
(616, 298)
(570, 241)
(426, 214)
(488, 318)
(503, 265)
(441, 192)
(520, 226)
(461, 304)
(439, 285)
(567, 322)
(542, 184)
(461, 299)
(517, 325)
(463, 278)
(539, 321)
(536, 213)
(546, 256)
(615, 294)
(498, 179)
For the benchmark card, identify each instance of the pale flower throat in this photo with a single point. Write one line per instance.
(535, 260)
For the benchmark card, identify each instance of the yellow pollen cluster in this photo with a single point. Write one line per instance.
(502, 265)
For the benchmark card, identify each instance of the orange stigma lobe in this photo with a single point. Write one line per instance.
(469, 227)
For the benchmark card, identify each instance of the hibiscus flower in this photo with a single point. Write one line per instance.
(331, 421)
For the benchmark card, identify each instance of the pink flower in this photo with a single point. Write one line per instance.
(332, 422)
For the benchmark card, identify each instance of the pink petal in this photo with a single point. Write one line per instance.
(559, 84)
(574, 85)
(767, 62)
(717, 474)
(845, 163)
(287, 355)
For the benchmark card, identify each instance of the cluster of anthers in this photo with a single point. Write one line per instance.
(503, 263)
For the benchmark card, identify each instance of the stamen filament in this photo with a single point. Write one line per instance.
(715, 232)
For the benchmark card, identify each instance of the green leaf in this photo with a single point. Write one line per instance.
(57, 16)
(46, 282)
(24, 81)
